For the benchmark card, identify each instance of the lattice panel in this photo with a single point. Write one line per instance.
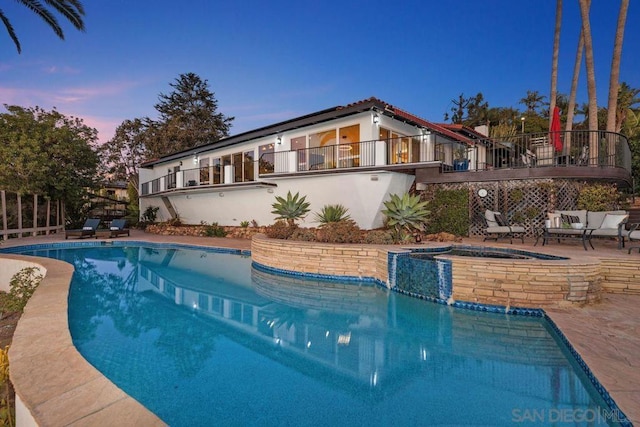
(524, 202)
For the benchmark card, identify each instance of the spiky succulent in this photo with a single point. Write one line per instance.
(291, 208)
(332, 213)
(406, 213)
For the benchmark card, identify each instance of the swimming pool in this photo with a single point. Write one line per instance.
(200, 338)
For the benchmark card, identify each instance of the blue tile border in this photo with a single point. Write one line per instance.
(392, 266)
(120, 243)
(613, 406)
(367, 280)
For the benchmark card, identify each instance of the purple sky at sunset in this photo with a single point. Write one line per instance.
(271, 61)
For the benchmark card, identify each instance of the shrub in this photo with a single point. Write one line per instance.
(379, 237)
(176, 221)
(304, 234)
(21, 287)
(406, 214)
(332, 213)
(214, 230)
(291, 208)
(449, 212)
(599, 197)
(280, 230)
(346, 231)
(7, 415)
(244, 224)
(150, 214)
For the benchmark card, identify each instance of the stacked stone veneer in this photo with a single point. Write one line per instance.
(526, 283)
(531, 283)
(321, 258)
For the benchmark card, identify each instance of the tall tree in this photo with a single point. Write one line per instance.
(554, 60)
(72, 10)
(188, 116)
(591, 81)
(590, 65)
(571, 107)
(123, 154)
(614, 77)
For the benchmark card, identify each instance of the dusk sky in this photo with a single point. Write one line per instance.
(271, 61)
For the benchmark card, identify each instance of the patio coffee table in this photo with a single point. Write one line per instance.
(561, 234)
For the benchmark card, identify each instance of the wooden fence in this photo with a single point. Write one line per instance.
(29, 215)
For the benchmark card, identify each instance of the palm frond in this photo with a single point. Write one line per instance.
(10, 30)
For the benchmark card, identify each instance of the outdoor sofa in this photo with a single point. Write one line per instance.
(607, 224)
(88, 229)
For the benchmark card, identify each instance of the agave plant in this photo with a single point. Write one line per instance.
(291, 208)
(406, 214)
(332, 213)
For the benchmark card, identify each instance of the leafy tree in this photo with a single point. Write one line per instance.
(122, 155)
(188, 117)
(471, 111)
(72, 10)
(47, 153)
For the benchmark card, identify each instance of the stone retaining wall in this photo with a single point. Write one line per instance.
(321, 258)
(515, 283)
(526, 283)
(620, 275)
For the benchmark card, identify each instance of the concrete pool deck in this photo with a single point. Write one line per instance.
(605, 334)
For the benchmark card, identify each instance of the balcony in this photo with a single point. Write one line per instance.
(433, 159)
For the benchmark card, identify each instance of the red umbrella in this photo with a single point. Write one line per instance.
(556, 139)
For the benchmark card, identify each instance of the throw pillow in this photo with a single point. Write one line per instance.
(114, 228)
(612, 221)
(87, 228)
(500, 219)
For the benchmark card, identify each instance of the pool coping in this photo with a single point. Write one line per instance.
(84, 396)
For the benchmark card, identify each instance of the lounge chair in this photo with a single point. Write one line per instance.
(88, 229)
(498, 227)
(118, 228)
(634, 236)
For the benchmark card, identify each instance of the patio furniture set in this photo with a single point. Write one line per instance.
(579, 225)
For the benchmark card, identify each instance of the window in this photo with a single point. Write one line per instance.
(248, 171)
(237, 167)
(217, 170)
(321, 150)
(349, 146)
(265, 159)
(299, 145)
(322, 139)
(204, 171)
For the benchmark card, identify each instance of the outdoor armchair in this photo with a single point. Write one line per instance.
(497, 227)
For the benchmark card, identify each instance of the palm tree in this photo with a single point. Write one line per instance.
(554, 62)
(591, 80)
(532, 101)
(628, 98)
(615, 68)
(72, 10)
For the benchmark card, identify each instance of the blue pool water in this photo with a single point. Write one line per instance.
(202, 338)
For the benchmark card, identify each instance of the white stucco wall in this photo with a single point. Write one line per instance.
(363, 193)
(10, 266)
